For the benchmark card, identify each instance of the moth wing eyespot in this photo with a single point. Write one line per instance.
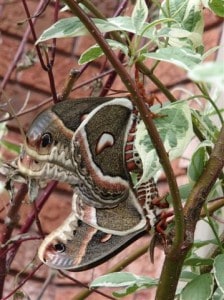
(46, 139)
(60, 247)
(79, 223)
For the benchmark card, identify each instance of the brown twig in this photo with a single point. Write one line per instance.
(23, 282)
(48, 100)
(42, 198)
(7, 229)
(72, 77)
(20, 49)
(48, 67)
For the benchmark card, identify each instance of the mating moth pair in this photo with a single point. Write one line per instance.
(89, 143)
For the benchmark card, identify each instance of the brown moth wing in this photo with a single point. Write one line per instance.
(76, 246)
(98, 145)
(49, 136)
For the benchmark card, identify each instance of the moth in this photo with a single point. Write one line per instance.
(76, 246)
(89, 143)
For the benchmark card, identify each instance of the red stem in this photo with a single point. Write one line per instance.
(48, 67)
(23, 282)
(20, 49)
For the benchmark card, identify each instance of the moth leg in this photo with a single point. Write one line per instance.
(149, 99)
(161, 202)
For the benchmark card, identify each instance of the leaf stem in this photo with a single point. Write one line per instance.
(203, 89)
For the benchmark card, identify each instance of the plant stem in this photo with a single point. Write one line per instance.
(22, 282)
(156, 81)
(212, 206)
(7, 229)
(174, 260)
(20, 49)
(200, 191)
(40, 201)
(48, 67)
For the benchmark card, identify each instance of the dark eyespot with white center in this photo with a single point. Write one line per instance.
(46, 140)
(60, 247)
(104, 141)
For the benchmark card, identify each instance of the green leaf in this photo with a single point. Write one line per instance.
(175, 129)
(2, 187)
(124, 279)
(119, 279)
(198, 161)
(129, 290)
(95, 51)
(218, 271)
(139, 15)
(182, 57)
(209, 130)
(68, 27)
(181, 38)
(210, 72)
(71, 27)
(200, 288)
(65, 8)
(199, 243)
(90, 54)
(187, 13)
(218, 295)
(10, 146)
(184, 190)
(210, 51)
(217, 6)
(187, 275)
(124, 23)
(198, 261)
(174, 8)
(3, 129)
(189, 17)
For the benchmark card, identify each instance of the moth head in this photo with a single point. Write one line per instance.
(43, 171)
(47, 137)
